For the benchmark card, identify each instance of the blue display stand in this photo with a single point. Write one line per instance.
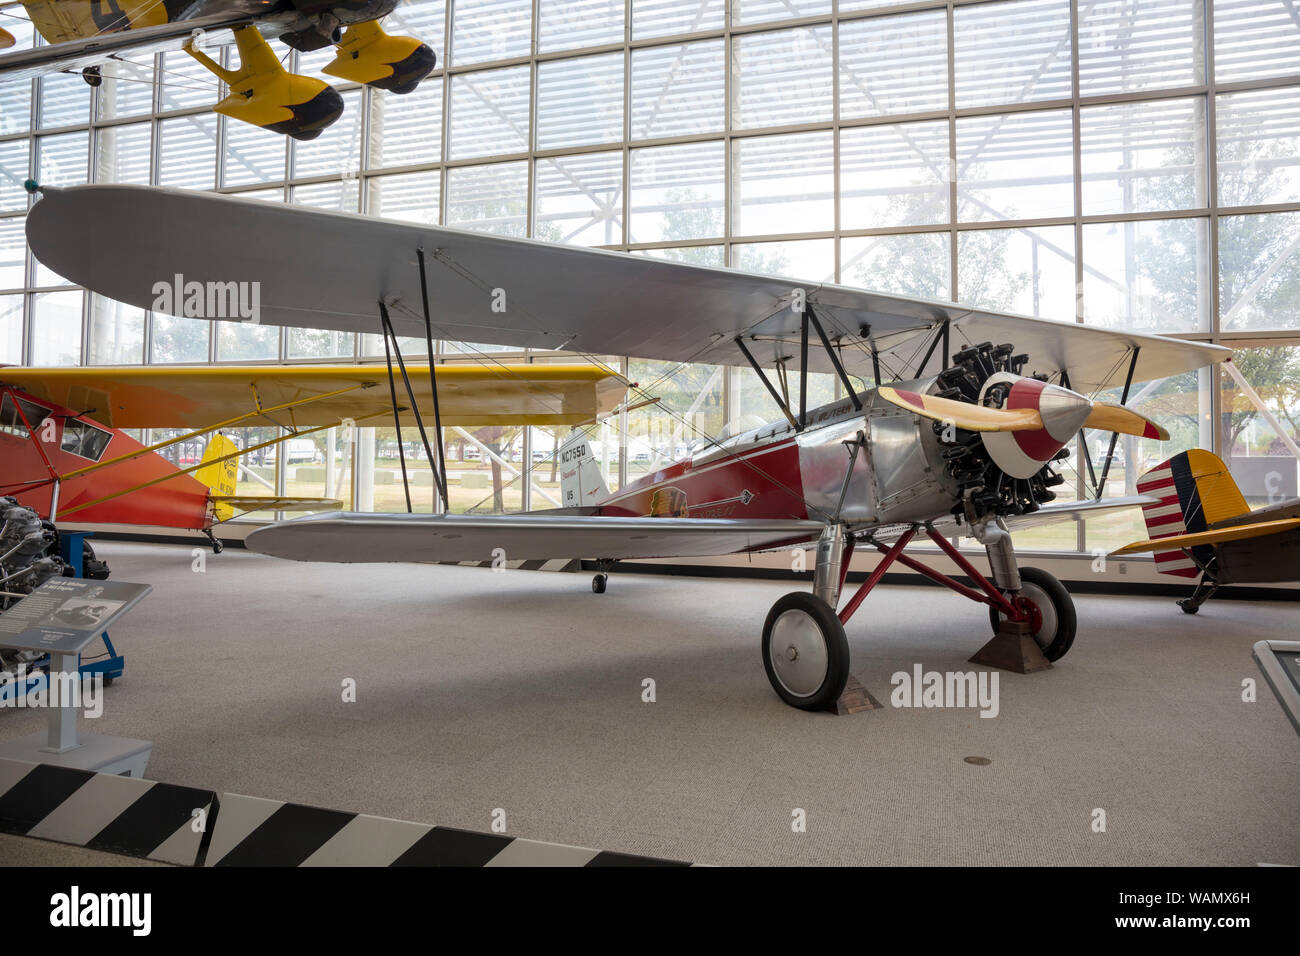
(72, 550)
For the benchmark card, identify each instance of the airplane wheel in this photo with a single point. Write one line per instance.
(598, 583)
(805, 652)
(1056, 633)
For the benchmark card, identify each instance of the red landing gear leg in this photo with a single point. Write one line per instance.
(1013, 646)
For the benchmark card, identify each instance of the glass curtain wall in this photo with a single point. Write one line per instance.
(1132, 164)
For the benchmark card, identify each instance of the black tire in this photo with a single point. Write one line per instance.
(823, 642)
(1037, 584)
(1189, 608)
(598, 583)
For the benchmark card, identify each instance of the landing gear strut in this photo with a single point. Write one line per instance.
(1205, 589)
(805, 650)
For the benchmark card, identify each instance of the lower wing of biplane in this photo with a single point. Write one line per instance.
(1201, 526)
(82, 34)
(66, 452)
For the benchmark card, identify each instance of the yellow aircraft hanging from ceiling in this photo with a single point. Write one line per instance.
(82, 34)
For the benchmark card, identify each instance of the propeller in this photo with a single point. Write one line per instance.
(1028, 420)
(6, 39)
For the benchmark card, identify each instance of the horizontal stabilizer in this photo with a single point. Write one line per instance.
(246, 503)
(1180, 541)
(367, 537)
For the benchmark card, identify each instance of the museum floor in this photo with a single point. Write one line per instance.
(523, 691)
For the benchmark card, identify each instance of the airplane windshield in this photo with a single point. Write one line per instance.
(11, 423)
(84, 439)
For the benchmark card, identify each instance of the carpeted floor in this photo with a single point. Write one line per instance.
(522, 691)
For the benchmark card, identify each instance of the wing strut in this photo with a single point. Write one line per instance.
(1114, 436)
(771, 389)
(811, 316)
(392, 392)
(410, 392)
(440, 474)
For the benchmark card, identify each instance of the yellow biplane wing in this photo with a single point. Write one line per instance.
(1179, 542)
(201, 397)
(246, 503)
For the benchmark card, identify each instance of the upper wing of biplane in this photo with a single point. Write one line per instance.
(301, 396)
(329, 270)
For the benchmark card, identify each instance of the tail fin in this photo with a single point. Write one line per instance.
(581, 483)
(1193, 490)
(220, 476)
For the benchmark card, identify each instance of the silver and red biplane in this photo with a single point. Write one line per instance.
(964, 433)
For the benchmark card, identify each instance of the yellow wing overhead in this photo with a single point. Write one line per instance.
(60, 21)
(1178, 542)
(198, 397)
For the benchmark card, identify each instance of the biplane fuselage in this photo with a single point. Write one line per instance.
(776, 471)
(40, 440)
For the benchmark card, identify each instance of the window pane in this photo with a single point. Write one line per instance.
(580, 199)
(56, 328)
(570, 24)
(13, 171)
(185, 82)
(1259, 147)
(580, 102)
(894, 175)
(678, 90)
(319, 343)
(179, 340)
(64, 100)
(1027, 271)
(15, 106)
(916, 264)
(252, 155)
(1254, 38)
(1019, 166)
(409, 196)
(337, 149)
(1262, 465)
(127, 88)
(658, 18)
(242, 342)
(406, 130)
(124, 154)
(784, 184)
(489, 113)
(1012, 52)
(1259, 271)
(484, 30)
(61, 160)
(782, 78)
(677, 192)
(805, 259)
(894, 65)
(1147, 276)
(1127, 45)
(491, 198)
(13, 253)
(420, 18)
(11, 329)
(714, 256)
(187, 151)
(116, 333)
(339, 196)
(1143, 157)
(756, 11)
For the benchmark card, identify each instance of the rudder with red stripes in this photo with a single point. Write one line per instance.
(1193, 490)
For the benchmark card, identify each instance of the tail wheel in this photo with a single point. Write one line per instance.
(805, 652)
(1056, 631)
